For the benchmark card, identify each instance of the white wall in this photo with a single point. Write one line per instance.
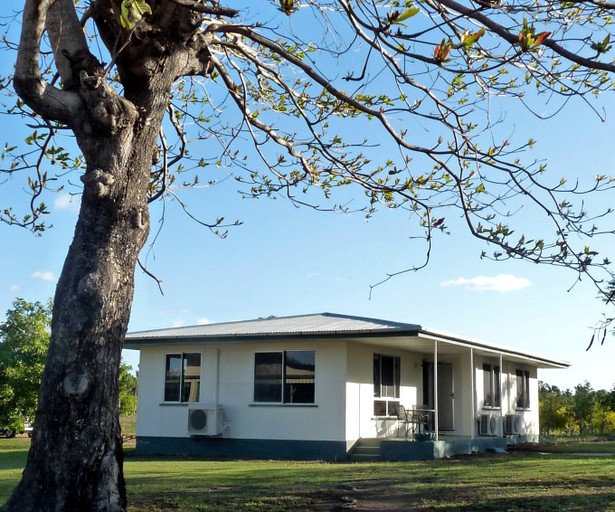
(343, 409)
(235, 383)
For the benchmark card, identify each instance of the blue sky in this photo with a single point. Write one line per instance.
(284, 261)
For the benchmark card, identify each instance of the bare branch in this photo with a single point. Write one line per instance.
(213, 10)
(149, 274)
(39, 95)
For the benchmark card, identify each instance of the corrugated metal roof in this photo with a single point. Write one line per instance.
(317, 323)
(325, 325)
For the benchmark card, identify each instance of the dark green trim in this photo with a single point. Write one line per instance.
(333, 451)
(221, 448)
(400, 450)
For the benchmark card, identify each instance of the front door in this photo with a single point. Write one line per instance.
(446, 395)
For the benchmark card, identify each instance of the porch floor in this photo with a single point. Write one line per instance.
(402, 449)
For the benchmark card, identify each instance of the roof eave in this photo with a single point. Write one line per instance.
(543, 362)
(135, 341)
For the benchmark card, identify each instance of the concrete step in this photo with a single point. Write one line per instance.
(368, 441)
(365, 450)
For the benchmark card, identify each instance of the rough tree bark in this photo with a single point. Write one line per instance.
(75, 460)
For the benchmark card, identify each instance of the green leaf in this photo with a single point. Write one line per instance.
(408, 13)
(132, 11)
(604, 46)
(468, 39)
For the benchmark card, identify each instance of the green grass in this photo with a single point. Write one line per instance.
(128, 425)
(572, 446)
(13, 454)
(499, 483)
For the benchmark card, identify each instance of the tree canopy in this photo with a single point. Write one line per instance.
(582, 412)
(282, 94)
(24, 338)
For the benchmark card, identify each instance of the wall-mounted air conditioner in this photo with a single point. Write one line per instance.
(513, 424)
(205, 420)
(487, 425)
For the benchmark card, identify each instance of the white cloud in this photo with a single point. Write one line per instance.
(501, 283)
(203, 321)
(177, 323)
(15, 288)
(43, 275)
(66, 202)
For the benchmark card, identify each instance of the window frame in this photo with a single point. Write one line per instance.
(181, 397)
(383, 402)
(492, 386)
(284, 384)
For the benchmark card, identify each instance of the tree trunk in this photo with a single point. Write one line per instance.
(75, 460)
(75, 463)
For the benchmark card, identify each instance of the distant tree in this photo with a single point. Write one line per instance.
(24, 339)
(584, 407)
(128, 390)
(297, 97)
(604, 419)
(554, 409)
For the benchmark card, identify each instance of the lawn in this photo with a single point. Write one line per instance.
(504, 482)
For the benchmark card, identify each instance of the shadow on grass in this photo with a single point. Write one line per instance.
(13, 460)
(496, 484)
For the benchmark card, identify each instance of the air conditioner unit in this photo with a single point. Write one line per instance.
(512, 424)
(205, 420)
(487, 425)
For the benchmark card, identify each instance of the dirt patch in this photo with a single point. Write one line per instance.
(363, 496)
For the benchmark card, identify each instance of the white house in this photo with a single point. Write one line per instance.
(323, 386)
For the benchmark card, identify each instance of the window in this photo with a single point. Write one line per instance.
(491, 386)
(285, 377)
(523, 389)
(386, 385)
(182, 378)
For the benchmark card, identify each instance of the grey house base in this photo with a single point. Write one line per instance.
(400, 450)
(333, 451)
(222, 448)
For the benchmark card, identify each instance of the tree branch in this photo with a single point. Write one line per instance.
(38, 94)
(213, 10)
(66, 36)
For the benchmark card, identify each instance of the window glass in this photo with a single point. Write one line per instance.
(173, 378)
(285, 377)
(299, 376)
(380, 408)
(386, 376)
(268, 377)
(192, 378)
(523, 389)
(487, 385)
(182, 378)
(386, 384)
(377, 382)
(491, 386)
